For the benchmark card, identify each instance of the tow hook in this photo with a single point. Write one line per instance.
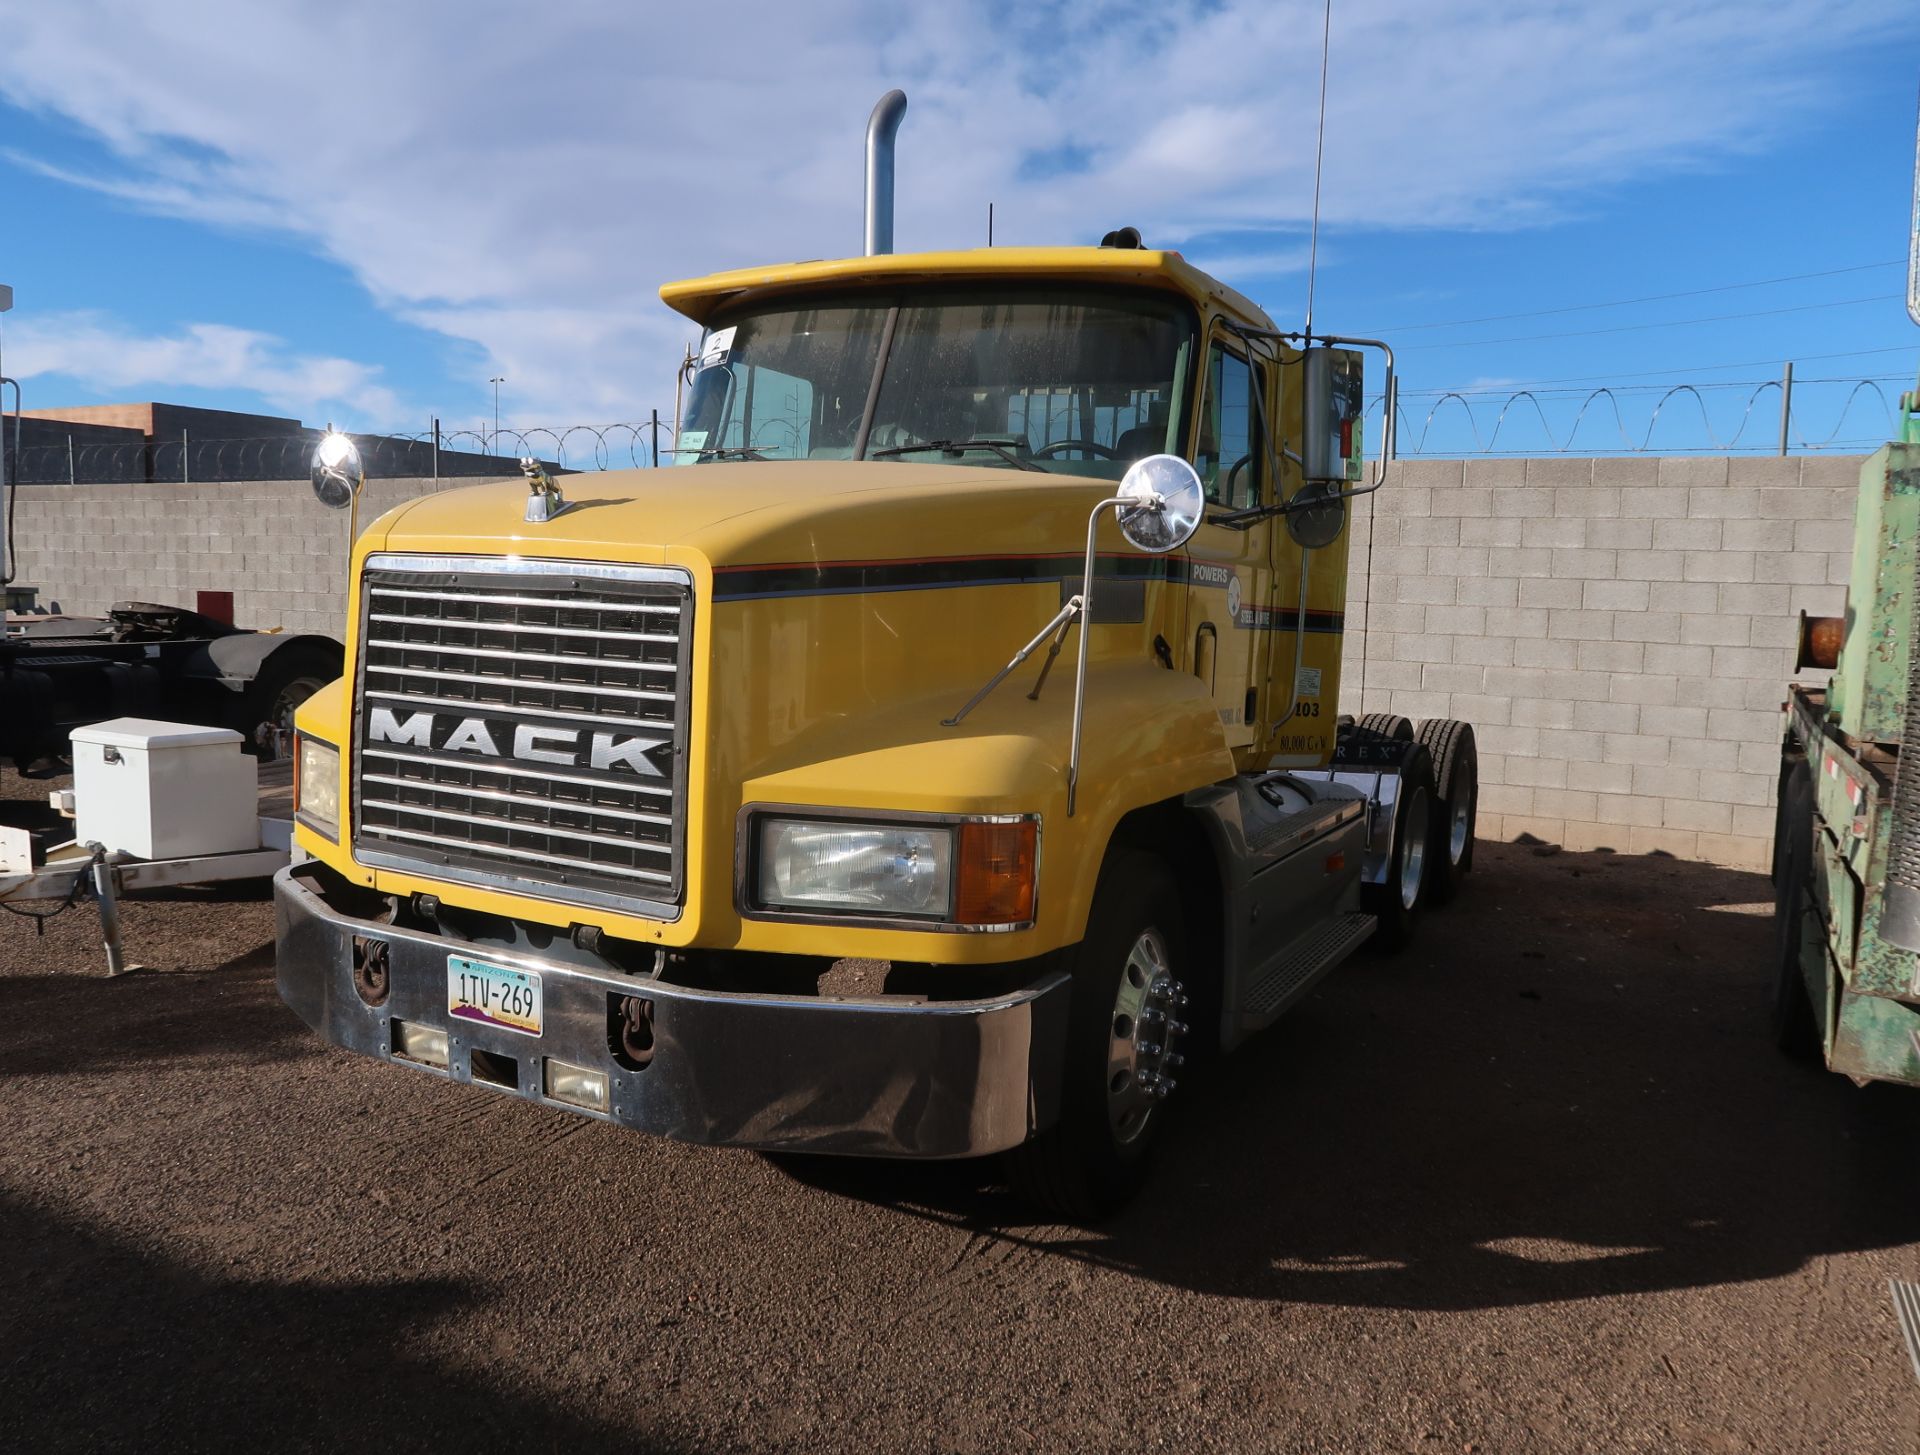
(370, 969)
(633, 1032)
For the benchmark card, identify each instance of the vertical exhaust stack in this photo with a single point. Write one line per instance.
(882, 126)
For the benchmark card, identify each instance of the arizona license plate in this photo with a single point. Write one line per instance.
(493, 995)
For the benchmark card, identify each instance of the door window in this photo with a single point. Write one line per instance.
(1230, 453)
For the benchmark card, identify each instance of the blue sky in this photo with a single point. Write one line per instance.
(362, 212)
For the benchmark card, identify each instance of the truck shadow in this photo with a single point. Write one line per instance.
(1564, 1090)
(110, 1348)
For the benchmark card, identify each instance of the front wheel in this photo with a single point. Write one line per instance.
(1122, 1056)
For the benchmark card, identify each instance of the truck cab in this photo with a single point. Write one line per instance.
(740, 801)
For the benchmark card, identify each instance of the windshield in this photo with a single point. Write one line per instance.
(1080, 383)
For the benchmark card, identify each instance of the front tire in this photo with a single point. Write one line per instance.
(1123, 1034)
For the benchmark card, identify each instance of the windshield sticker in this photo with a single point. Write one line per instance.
(718, 345)
(692, 439)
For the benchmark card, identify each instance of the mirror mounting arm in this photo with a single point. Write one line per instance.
(1159, 505)
(1390, 398)
(1079, 608)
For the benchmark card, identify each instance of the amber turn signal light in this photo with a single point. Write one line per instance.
(997, 867)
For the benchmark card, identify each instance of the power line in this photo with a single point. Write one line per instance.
(1528, 338)
(1650, 298)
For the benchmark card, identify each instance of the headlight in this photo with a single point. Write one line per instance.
(968, 874)
(316, 785)
(865, 868)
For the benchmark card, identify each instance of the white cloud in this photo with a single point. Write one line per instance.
(524, 181)
(109, 357)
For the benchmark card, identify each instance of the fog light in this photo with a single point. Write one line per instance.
(576, 1085)
(425, 1044)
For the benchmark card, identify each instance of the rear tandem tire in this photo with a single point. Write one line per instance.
(1396, 902)
(1092, 1161)
(1388, 725)
(1456, 774)
(1796, 1029)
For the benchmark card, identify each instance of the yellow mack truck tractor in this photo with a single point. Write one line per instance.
(627, 770)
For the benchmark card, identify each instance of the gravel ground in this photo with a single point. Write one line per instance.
(1539, 1184)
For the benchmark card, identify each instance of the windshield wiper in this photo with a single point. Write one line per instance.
(720, 452)
(1002, 448)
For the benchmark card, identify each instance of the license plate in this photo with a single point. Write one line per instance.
(493, 995)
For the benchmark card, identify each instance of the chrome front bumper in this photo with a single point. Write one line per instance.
(885, 1077)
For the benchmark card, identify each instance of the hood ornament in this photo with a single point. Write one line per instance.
(544, 500)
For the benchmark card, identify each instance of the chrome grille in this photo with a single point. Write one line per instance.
(522, 724)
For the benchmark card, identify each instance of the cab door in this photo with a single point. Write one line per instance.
(1229, 570)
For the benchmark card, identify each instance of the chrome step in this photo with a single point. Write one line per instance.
(1303, 962)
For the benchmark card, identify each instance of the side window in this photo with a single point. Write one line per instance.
(1229, 455)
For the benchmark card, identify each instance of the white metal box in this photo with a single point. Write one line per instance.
(164, 790)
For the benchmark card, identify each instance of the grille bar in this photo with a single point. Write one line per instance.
(461, 624)
(501, 654)
(494, 795)
(467, 704)
(497, 822)
(580, 666)
(644, 693)
(541, 777)
(650, 874)
(555, 601)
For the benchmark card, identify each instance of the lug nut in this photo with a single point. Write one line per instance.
(1178, 1028)
(1151, 1017)
(1163, 1089)
(1144, 1078)
(1148, 1049)
(1175, 1061)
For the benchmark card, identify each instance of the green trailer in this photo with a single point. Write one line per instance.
(1846, 854)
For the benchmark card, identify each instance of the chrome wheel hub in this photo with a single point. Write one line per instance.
(1413, 862)
(1458, 829)
(1143, 1033)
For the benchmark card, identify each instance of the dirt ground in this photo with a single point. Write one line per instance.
(1539, 1184)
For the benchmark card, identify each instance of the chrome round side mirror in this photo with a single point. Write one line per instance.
(1166, 501)
(337, 474)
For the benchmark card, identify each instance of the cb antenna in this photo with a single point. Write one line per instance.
(1913, 246)
(1319, 150)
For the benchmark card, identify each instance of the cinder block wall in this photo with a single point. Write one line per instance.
(281, 553)
(1619, 631)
